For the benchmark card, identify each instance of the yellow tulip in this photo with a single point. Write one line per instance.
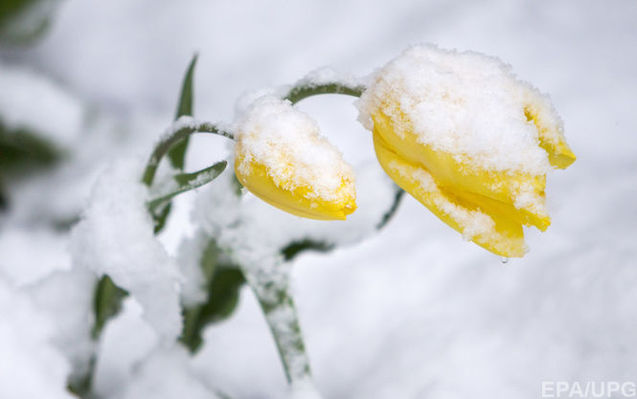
(281, 158)
(470, 142)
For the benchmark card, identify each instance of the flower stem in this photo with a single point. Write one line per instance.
(271, 287)
(182, 128)
(298, 93)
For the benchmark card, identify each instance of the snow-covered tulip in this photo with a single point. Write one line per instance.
(468, 140)
(281, 158)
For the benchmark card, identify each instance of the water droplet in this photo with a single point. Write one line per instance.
(504, 260)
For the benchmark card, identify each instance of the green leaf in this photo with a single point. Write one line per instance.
(224, 282)
(177, 154)
(107, 302)
(24, 150)
(22, 153)
(187, 182)
(224, 295)
(11, 8)
(23, 21)
(80, 385)
(293, 249)
(4, 201)
(201, 177)
(160, 217)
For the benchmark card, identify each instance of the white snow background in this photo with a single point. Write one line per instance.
(412, 312)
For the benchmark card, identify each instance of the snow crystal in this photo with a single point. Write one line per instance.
(66, 297)
(30, 367)
(188, 122)
(463, 103)
(247, 99)
(21, 264)
(189, 255)
(184, 121)
(288, 143)
(167, 375)
(131, 365)
(124, 343)
(115, 237)
(32, 102)
(304, 390)
(328, 75)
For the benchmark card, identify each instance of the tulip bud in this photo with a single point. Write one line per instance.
(281, 158)
(467, 139)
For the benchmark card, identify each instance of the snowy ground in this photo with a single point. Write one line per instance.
(413, 312)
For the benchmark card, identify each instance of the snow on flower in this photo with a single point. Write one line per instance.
(460, 133)
(282, 158)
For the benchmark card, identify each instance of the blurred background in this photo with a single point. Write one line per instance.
(414, 311)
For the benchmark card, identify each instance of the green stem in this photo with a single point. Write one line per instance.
(271, 287)
(182, 128)
(398, 196)
(107, 302)
(288, 338)
(305, 90)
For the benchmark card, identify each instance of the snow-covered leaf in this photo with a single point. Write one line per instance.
(189, 181)
(107, 302)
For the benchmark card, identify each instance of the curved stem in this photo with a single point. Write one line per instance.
(182, 128)
(398, 196)
(304, 90)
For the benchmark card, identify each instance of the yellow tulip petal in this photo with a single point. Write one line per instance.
(539, 110)
(281, 158)
(494, 232)
(522, 194)
(294, 201)
(507, 210)
(468, 139)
